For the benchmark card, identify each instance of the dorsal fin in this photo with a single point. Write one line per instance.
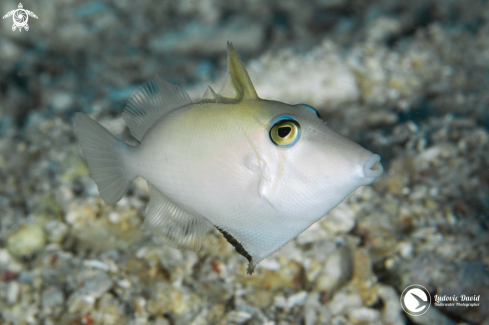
(238, 76)
(237, 85)
(150, 102)
(210, 96)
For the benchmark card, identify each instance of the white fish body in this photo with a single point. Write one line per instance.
(260, 171)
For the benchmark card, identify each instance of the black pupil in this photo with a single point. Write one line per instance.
(284, 131)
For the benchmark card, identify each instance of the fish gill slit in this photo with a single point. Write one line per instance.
(280, 172)
(237, 245)
(252, 146)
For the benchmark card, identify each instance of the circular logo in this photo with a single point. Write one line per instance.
(20, 17)
(415, 300)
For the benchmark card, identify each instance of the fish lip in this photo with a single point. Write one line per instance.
(372, 167)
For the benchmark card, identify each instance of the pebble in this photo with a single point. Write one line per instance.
(342, 302)
(337, 270)
(392, 312)
(29, 239)
(52, 297)
(363, 314)
(92, 284)
(56, 231)
(12, 292)
(238, 317)
(296, 299)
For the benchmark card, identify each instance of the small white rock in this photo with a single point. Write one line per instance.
(297, 299)
(56, 231)
(62, 101)
(29, 239)
(269, 264)
(342, 301)
(280, 301)
(114, 217)
(12, 292)
(238, 317)
(364, 315)
(405, 249)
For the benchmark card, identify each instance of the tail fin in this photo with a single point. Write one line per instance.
(104, 153)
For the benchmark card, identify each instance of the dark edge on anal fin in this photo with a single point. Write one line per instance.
(239, 248)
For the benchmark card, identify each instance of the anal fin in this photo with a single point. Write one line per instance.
(176, 226)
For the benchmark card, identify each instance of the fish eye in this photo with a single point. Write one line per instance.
(285, 133)
(310, 107)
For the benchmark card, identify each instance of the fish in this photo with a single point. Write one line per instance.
(260, 171)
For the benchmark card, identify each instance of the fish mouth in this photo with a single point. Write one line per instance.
(372, 167)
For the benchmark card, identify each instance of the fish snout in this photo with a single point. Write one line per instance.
(372, 167)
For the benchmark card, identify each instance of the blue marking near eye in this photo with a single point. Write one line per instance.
(310, 107)
(282, 118)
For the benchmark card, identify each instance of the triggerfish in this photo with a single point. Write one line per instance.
(260, 171)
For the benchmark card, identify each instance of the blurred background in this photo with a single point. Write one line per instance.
(407, 80)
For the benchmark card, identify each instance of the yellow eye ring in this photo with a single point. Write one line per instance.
(285, 133)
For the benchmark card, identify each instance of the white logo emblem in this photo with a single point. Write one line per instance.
(20, 16)
(415, 300)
